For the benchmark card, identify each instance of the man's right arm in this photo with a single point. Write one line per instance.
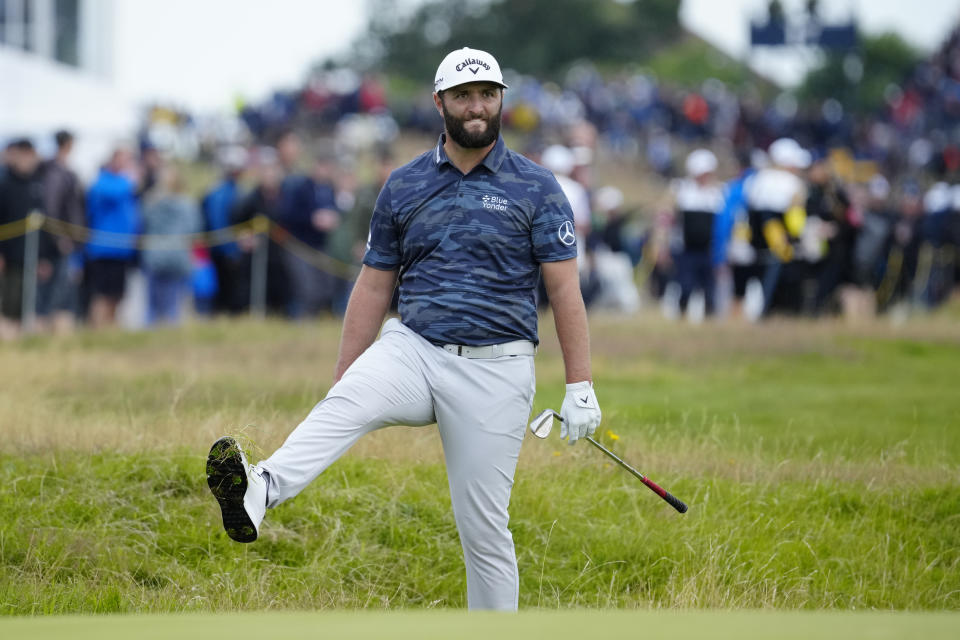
(368, 305)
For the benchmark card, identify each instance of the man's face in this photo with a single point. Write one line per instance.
(324, 171)
(820, 173)
(471, 113)
(24, 161)
(121, 161)
(271, 175)
(288, 150)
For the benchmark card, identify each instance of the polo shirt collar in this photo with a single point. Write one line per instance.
(492, 161)
(495, 158)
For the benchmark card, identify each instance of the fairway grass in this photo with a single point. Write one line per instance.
(821, 464)
(443, 625)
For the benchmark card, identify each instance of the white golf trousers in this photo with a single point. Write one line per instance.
(481, 407)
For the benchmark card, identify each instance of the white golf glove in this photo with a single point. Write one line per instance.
(580, 411)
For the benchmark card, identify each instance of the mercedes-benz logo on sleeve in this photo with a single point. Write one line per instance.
(566, 233)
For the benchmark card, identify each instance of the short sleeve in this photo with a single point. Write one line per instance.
(554, 235)
(383, 242)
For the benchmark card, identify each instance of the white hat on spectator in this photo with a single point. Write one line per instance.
(608, 198)
(701, 162)
(582, 156)
(878, 187)
(786, 152)
(232, 157)
(938, 198)
(467, 65)
(558, 159)
(956, 197)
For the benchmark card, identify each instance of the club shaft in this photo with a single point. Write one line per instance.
(616, 458)
(670, 499)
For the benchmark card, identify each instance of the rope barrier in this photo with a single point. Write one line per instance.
(258, 225)
(261, 225)
(890, 277)
(120, 240)
(14, 229)
(318, 259)
(924, 267)
(645, 267)
(948, 259)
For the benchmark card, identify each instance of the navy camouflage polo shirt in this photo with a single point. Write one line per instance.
(468, 247)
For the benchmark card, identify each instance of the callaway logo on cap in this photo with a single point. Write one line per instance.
(467, 65)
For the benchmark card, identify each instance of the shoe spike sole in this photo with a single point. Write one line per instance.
(227, 479)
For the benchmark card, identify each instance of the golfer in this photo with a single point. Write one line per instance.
(467, 229)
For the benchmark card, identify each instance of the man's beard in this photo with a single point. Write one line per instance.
(466, 139)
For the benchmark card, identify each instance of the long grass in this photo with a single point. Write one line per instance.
(820, 463)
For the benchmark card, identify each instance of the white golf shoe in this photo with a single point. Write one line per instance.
(240, 490)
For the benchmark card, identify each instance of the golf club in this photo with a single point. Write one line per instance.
(542, 425)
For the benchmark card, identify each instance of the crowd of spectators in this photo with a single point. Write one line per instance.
(137, 222)
(865, 213)
(770, 207)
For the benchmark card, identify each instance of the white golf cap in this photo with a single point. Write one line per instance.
(700, 162)
(786, 152)
(608, 198)
(467, 65)
(558, 159)
(879, 187)
(937, 198)
(232, 157)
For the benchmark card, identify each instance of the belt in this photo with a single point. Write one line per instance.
(515, 348)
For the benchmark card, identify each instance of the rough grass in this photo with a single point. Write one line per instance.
(820, 463)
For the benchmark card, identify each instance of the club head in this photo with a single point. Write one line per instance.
(543, 423)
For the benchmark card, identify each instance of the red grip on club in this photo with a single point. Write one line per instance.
(671, 499)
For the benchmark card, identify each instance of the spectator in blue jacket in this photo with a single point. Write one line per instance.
(113, 216)
(232, 265)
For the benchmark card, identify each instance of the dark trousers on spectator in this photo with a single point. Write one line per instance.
(695, 271)
(233, 283)
(11, 292)
(311, 288)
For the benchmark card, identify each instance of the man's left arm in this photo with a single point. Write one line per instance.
(562, 282)
(580, 410)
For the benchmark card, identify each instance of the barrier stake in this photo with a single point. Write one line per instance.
(31, 249)
(258, 266)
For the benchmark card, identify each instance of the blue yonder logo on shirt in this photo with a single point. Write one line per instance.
(496, 203)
